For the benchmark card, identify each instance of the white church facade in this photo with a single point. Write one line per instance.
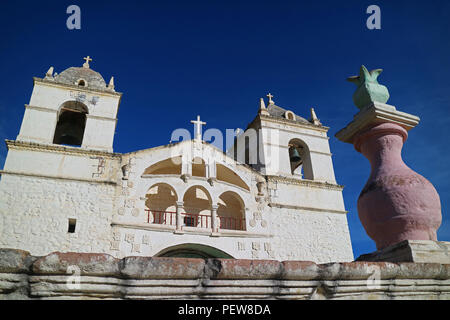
(273, 195)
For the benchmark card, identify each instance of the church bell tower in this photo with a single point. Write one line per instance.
(74, 108)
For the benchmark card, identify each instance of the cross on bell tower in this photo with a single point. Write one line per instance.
(198, 128)
(270, 98)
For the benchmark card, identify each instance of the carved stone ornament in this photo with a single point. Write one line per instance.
(369, 90)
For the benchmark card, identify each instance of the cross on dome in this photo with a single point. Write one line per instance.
(86, 64)
(198, 128)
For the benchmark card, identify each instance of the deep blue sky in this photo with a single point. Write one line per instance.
(174, 60)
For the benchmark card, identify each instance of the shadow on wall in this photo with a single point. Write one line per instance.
(193, 250)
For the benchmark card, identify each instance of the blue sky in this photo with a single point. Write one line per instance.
(174, 60)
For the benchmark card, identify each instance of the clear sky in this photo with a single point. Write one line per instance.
(174, 60)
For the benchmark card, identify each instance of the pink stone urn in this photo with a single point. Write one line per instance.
(396, 203)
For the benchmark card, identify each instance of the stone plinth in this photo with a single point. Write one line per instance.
(412, 251)
(376, 113)
(396, 204)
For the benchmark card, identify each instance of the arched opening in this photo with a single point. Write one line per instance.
(168, 166)
(227, 175)
(197, 206)
(300, 159)
(193, 250)
(71, 124)
(231, 211)
(289, 115)
(82, 83)
(198, 167)
(161, 204)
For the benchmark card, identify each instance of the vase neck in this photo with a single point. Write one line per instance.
(382, 145)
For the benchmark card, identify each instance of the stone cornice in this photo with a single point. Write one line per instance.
(310, 151)
(91, 116)
(191, 230)
(18, 173)
(88, 116)
(23, 145)
(306, 183)
(293, 123)
(325, 210)
(75, 87)
(27, 106)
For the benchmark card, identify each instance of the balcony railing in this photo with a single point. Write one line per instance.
(231, 223)
(196, 220)
(161, 217)
(193, 220)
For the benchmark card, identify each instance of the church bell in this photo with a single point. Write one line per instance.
(294, 155)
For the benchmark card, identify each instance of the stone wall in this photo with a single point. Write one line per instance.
(101, 276)
(34, 214)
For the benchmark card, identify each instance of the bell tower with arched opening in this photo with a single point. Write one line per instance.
(75, 108)
(299, 186)
(280, 143)
(60, 174)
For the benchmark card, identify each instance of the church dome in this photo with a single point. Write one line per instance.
(82, 76)
(281, 113)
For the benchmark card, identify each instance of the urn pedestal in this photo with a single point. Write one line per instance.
(396, 204)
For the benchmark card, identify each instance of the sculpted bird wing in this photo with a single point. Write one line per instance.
(354, 79)
(375, 73)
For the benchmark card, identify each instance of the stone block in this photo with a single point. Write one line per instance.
(418, 251)
(244, 269)
(14, 260)
(161, 268)
(88, 264)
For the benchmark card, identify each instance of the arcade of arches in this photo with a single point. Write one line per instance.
(196, 208)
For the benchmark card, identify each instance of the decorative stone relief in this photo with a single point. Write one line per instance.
(135, 247)
(115, 245)
(271, 254)
(260, 203)
(273, 189)
(257, 216)
(125, 171)
(121, 211)
(129, 237)
(256, 246)
(84, 98)
(241, 246)
(135, 212)
(126, 168)
(117, 235)
(129, 203)
(99, 167)
(260, 185)
(146, 239)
